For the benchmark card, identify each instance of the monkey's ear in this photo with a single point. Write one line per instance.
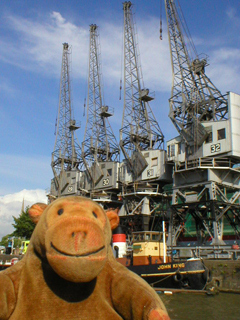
(113, 217)
(36, 210)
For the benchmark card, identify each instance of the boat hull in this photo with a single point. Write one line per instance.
(189, 274)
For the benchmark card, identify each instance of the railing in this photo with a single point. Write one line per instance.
(205, 252)
(208, 162)
(140, 188)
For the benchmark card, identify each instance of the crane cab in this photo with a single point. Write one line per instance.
(222, 138)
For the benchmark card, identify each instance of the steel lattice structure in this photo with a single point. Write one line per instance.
(66, 155)
(99, 144)
(194, 98)
(142, 143)
(139, 130)
(205, 183)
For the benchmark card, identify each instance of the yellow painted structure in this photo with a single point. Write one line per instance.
(148, 248)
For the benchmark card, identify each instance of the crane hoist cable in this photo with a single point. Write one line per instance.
(161, 20)
(186, 30)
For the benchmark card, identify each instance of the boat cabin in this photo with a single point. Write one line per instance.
(149, 247)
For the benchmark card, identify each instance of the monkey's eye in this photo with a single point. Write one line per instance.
(60, 211)
(94, 214)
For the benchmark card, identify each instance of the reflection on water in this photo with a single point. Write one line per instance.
(187, 306)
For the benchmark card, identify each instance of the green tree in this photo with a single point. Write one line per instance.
(23, 225)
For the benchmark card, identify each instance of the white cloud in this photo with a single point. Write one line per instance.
(155, 56)
(39, 44)
(40, 49)
(11, 205)
(233, 16)
(225, 69)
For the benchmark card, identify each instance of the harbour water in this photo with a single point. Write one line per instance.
(187, 306)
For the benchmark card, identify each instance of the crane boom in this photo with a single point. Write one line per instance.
(194, 98)
(99, 144)
(66, 155)
(139, 131)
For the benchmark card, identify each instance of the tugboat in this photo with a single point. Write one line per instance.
(148, 258)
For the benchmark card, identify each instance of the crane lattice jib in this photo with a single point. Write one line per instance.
(139, 130)
(99, 142)
(194, 97)
(66, 154)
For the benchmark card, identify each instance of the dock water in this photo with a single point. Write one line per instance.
(187, 306)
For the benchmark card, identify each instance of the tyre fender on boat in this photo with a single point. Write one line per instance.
(178, 276)
(207, 275)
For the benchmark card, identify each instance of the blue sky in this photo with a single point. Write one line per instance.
(31, 37)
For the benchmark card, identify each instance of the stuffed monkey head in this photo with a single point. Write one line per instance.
(74, 235)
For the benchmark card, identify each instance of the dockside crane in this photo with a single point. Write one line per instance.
(100, 150)
(194, 98)
(143, 170)
(140, 130)
(206, 152)
(66, 157)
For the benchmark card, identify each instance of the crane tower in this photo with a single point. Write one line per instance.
(139, 131)
(205, 181)
(194, 98)
(143, 170)
(100, 151)
(66, 156)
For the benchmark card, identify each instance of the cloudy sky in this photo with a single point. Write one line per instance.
(31, 37)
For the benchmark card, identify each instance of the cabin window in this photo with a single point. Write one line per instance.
(136, 237)
(179, 148)
(109, 172)
(209, 137)
(155, 248)
(168, 151)
(221, 134)
(137, 247)
(154, 162)
(172, 151)
(156, 237)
